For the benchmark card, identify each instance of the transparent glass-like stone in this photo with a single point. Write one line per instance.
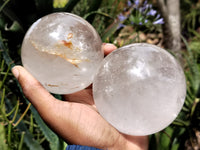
(63, 52)
(139, 89)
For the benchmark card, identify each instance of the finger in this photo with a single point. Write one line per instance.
(83, 96)
(108, 48)
(33, 90)
(75, 122)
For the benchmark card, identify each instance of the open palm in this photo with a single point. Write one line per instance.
(77, 120)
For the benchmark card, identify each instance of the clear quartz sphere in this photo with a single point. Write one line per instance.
(62, 51)
(139, 89)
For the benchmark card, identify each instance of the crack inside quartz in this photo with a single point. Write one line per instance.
(62, 49)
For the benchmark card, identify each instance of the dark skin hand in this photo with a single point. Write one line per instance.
(77, 120)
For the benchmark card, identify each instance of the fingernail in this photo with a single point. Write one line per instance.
(110, 46)
(15, 72)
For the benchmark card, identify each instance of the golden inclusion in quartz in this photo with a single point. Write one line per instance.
(63, 52)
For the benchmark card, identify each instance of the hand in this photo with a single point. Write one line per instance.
(77, 120)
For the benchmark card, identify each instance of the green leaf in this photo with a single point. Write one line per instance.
(70, 5)
(12, 16)
(97, 12)
(114, 26)
(165, 138)
(110, 30)
(3, 5)
(94, 6)
(59, 3)
(6, 56)
(48, 133)
(3, 145)
(15, 27)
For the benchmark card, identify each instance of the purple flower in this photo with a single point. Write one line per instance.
(137, 2)
(143, 22)
(142, 9)
(129, 3)
(158, 16)
(151, 12)
(148, 6)
(159, 21)
(145, 2)
(121, 17)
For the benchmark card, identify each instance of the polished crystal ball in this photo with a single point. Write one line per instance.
(63, 52)
(139, 89)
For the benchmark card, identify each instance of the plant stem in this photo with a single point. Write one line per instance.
(42, 140)
(22, 116)
(21, 141)
(2, 98)
(8, 114)
(5, 76)
(2, 109)
(31, 124)
(2, 65)
(9, 133)
(4, 4)
(16, 110)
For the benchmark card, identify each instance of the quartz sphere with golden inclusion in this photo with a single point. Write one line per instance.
(139, 89)
(63, 52)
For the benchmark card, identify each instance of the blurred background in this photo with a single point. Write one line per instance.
(170, 24)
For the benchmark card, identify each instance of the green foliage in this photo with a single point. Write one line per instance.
(187, 124)
(10, 115)
(191, 13)
(14, 21)
(21, 127)
(183, 131)
(59, 3)
(3, 145)
(168, 139)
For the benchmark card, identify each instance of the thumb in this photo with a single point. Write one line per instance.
(33, 90)
(47, 106)
(75, 122)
